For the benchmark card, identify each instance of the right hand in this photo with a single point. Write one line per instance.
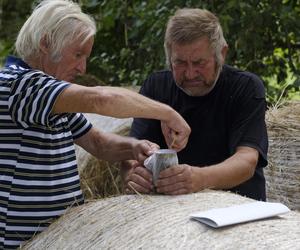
(143, 149)
(176, 131)
(138, 179)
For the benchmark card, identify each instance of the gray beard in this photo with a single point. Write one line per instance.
(218, 71)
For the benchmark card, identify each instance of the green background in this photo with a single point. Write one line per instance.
(263, 37)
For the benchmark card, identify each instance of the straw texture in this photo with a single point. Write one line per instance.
(100, 178)
(283, 172)
(162, 222)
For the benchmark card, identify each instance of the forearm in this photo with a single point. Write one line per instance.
(114, 147)
(110, 101)
(233, 171)
(107, 146)
(123, 103)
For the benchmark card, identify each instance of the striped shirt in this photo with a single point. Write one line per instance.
(38, 169)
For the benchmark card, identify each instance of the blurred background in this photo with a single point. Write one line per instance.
(263, 37)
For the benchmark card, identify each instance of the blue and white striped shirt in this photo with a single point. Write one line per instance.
(38, 169)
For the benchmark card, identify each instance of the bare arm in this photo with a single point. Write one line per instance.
(235, 170)
(230, 173)
(112, 147)
(123, 103)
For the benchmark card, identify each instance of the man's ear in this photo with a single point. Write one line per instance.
(224, 53)
(44, 45)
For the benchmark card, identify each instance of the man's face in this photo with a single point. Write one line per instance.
(194, 67)
(73, 60)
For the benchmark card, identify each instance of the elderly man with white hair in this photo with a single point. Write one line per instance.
(40, 113)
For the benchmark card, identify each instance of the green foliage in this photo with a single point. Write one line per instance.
(263, 37)
(12, 16)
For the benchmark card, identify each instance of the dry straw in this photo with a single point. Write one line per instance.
(283, 171)
(102, 179)
(162, 222)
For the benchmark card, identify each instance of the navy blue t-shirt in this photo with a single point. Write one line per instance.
(231, 115)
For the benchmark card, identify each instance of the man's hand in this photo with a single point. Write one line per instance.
(138, 178)
(182, 179)
(176, 132)
(143, 149)
(179, 179)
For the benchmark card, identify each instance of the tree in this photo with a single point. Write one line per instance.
(263, 37)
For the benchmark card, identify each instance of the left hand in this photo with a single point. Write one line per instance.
(138, 179)
(179, 179)
(143, 149)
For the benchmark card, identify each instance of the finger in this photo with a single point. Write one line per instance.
(154, 147)
(135, 164)
(141, 181)
(169, 181)
(173, 180)
(166, 133)
(172, 188)
(149, 147)
(141, 157)
(179, 143)
(142, 177)
(134, 187)
(128, 191)
(145, 149)
(171, 171)
(143, 172)
(178, 192)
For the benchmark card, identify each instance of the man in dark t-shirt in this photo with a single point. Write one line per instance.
(225, 108)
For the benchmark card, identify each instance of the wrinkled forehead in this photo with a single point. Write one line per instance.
(193, 50)
(80, 44)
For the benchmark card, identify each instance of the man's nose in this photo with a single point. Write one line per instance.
(81, 66)
(191, 72)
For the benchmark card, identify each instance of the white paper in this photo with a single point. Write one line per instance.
(220, 217)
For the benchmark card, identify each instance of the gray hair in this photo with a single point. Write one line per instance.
(189, 25)
(58, 22)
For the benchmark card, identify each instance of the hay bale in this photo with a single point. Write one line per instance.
(162, 222)
(283, 172)
(100, 178)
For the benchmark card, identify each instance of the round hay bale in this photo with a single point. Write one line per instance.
(162, 222)
(100, 178)
(283, 172)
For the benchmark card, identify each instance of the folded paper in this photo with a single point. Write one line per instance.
(219, 217)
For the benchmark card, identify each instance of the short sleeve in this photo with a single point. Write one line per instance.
(32, 97)
(79, 125)
(248, 124)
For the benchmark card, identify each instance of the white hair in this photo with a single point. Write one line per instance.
(59, 22)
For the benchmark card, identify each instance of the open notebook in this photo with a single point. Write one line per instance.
(220, 217)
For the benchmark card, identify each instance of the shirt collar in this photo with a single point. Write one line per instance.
(12, 60)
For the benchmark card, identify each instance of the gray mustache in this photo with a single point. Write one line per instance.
(197, 79)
